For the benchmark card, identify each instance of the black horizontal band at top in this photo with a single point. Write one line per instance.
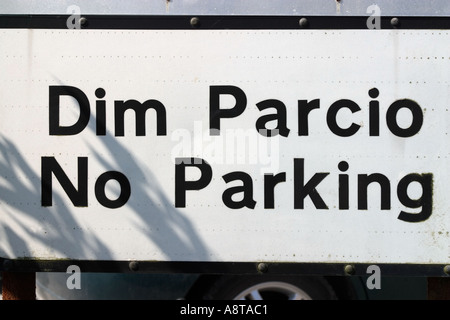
(181, 22)
(189, 267)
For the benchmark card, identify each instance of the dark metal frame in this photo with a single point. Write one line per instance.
(192, 267)
(169, 22)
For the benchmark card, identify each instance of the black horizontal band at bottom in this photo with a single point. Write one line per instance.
(330, 269)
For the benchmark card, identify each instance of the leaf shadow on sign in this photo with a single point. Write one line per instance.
(58, 228)
(20, 195)
(159, 220)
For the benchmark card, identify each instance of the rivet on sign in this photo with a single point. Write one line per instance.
(349, 269)
(395, 22)
(447, 269)
(134, 265)
(303, 22)
(262, 267)
(195, 22)
(83, 21)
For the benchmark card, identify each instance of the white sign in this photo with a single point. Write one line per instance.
(244, 145)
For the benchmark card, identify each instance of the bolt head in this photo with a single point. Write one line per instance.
(395, 22)
(447, 269)
(195, 22)
(303, 22)
(83, 21)
(262, 267)
(349, 269)
(134, 266)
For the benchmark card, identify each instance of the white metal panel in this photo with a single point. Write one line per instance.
(177, 68)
